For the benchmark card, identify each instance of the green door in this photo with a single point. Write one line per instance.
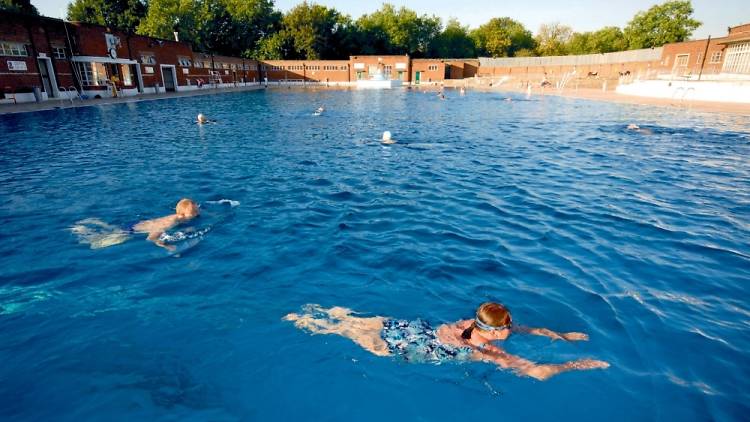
(417, 77)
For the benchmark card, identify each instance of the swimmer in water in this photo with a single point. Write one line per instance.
(462, 91)
(202, 120)
(185, 211)
(319, 111)
(464, 340)
(634, 127)
(101, 235)
(387, 138)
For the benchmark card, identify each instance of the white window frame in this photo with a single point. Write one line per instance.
(13, 49)
(682, 60)
(716, 57)
(737, 59)
(184, 62)
(59, 52)
(90, 75)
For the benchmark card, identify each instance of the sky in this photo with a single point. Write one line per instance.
(582, 15)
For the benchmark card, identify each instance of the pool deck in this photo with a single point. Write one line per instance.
(57, 104)
(742, 109)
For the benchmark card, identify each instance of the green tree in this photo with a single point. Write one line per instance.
(502, 37)
(552, 39)
(605, 40)
(454, 42)
(402, 31)
(19, 6)
(253, 20)
(579, 43)
(316, 32)
(662, 24)
(122, 14)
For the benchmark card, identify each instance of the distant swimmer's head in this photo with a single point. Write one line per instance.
(187, 209)
(387, 138)
(202, 119)
(633, 126)
(492, 321)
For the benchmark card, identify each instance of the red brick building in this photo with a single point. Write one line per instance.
(304, 71)
(392, 67)
(728, 56)
(34, 52)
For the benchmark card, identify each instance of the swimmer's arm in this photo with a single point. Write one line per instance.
(521, 366)
(572, 336)
(154, 237)
(500, 357)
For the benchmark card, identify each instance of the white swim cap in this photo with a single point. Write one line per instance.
(386, 136)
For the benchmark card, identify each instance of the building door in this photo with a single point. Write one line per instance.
(48, 78)
(417, 77)
(169, 77)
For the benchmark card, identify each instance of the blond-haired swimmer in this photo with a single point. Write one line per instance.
(387, 138)
(464, 340)
(185, 210)
(99, 234)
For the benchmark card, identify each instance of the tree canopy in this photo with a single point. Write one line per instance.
(19, 6)
(661, 24)
(502, 37)
(255, 28)
(392, 31)
(123, 14)
(553, 38)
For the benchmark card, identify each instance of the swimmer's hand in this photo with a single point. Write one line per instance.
(154, 237)
(572, 336)
(575, 336)
(543, 372)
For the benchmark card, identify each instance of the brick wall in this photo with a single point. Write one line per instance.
(305, 70)
(430, 70)
(673, 61)
(40, 36)
(363, 66)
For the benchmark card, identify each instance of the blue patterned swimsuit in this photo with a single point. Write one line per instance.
(417, 341)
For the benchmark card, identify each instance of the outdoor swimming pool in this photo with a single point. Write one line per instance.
(550, 206)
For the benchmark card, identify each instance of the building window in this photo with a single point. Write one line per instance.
(432, 67)
(700, 58)
(92, 74)
(387, 69)
(343, 68)
(184, 61)
(716, 57)
(127, 77)
(682, 60)
(738, 59)
(58, 52)
(198, 64)
(148, 59)
(13, 49)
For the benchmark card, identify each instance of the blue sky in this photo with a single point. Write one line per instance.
(582, 15)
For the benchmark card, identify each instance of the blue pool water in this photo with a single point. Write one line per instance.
(550, 206)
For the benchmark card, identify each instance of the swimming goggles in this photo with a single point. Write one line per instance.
(486, 327)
